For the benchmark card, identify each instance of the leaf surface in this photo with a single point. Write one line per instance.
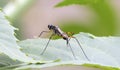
(8, 44)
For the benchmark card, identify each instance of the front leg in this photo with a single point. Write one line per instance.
(47, 44)
(43, 32)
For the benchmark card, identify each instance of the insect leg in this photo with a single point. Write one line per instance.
(81, 48)
(68, 44)
(43, 32)
(47, 44)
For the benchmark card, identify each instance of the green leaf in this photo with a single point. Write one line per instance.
(8, 45)
(77, 65)
(101, 67)
(15, 15)
(3, 3)
(103, 24)
(100, 50)
(80, 2)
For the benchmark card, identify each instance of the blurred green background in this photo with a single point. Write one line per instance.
(98, 17)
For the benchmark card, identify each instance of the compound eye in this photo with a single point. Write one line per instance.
(50, 26)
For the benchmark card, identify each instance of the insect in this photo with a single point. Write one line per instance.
(57, 31)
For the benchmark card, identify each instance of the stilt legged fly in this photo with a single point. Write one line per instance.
(57, 31)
